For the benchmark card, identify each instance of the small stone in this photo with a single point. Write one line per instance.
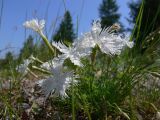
(25, 106)
(158, 115)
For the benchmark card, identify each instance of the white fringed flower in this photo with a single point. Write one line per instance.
(73, 53)
(109, 43)
(35, 25)
(128, 43)
(52, 63)
(57, 83)
(23, 68)
(106, 39)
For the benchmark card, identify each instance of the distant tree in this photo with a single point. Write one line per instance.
(9, 57)
(150, 21)
(108, 12)
(28, 48)
(65, 33)
(134, 10)
(7, 61)
(43, 53)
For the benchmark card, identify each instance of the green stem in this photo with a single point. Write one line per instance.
(36, 59)
(93, 56)
(41, 70)
(39, 61)
(32, 73)
(47, 42)
(73, 107)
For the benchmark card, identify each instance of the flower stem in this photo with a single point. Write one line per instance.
(47, 42)
(32, 73)
(41, 70)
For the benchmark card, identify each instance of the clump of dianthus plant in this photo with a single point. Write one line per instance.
(109, 42)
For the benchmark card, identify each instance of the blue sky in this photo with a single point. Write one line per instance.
(15, 12)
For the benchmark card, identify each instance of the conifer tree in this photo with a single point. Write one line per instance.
(9, 58)
(108, 12)
(28, 48)
(65, 33)
(42, 51)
